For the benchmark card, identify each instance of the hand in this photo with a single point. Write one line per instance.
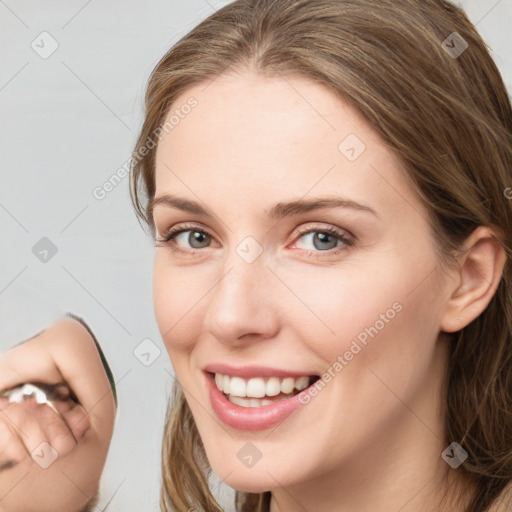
(24, 426)
(59, 457)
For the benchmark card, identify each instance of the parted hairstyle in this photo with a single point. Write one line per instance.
(446, 116)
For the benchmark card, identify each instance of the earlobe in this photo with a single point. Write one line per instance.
(478, 275)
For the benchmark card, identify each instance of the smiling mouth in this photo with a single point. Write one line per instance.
(261, 391)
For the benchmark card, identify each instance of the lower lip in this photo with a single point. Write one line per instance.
(250, 418)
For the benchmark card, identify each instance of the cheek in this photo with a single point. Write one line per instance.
(171, 308)
(178, 300)
(335, 304)
(389, 305)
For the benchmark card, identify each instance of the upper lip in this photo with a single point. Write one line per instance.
(248, 372)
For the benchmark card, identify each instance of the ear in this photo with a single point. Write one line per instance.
(477, 277)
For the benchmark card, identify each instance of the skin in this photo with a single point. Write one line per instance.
(65, 352)
(372, 438)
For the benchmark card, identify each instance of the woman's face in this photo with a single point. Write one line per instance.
(265, 284)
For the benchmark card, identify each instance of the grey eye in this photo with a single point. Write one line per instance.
(197, 239)
(321, 241)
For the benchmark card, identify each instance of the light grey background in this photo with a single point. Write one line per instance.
(68, 123)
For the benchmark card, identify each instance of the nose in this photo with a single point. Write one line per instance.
(243, 304)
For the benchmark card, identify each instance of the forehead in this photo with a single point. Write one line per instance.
(247, 111)
(277, 136)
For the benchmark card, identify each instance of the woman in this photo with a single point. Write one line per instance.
(328, 183)
(327, 196)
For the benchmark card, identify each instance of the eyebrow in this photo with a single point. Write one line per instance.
(278, 211)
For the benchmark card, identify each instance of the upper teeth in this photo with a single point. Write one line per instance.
(259, 387)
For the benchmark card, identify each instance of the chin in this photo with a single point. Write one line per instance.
(257, 479)
(250, 483)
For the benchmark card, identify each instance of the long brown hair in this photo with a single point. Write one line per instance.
(446, 115)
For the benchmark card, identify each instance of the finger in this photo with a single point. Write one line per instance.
(67, 413)
(37, 424)
(56, 355)
(62, 393)
(26, 363)
(75, 416)
(12, 448)
(4, 402)
(91, 387)
(21, 420)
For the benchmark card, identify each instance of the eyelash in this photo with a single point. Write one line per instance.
(172, 233)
